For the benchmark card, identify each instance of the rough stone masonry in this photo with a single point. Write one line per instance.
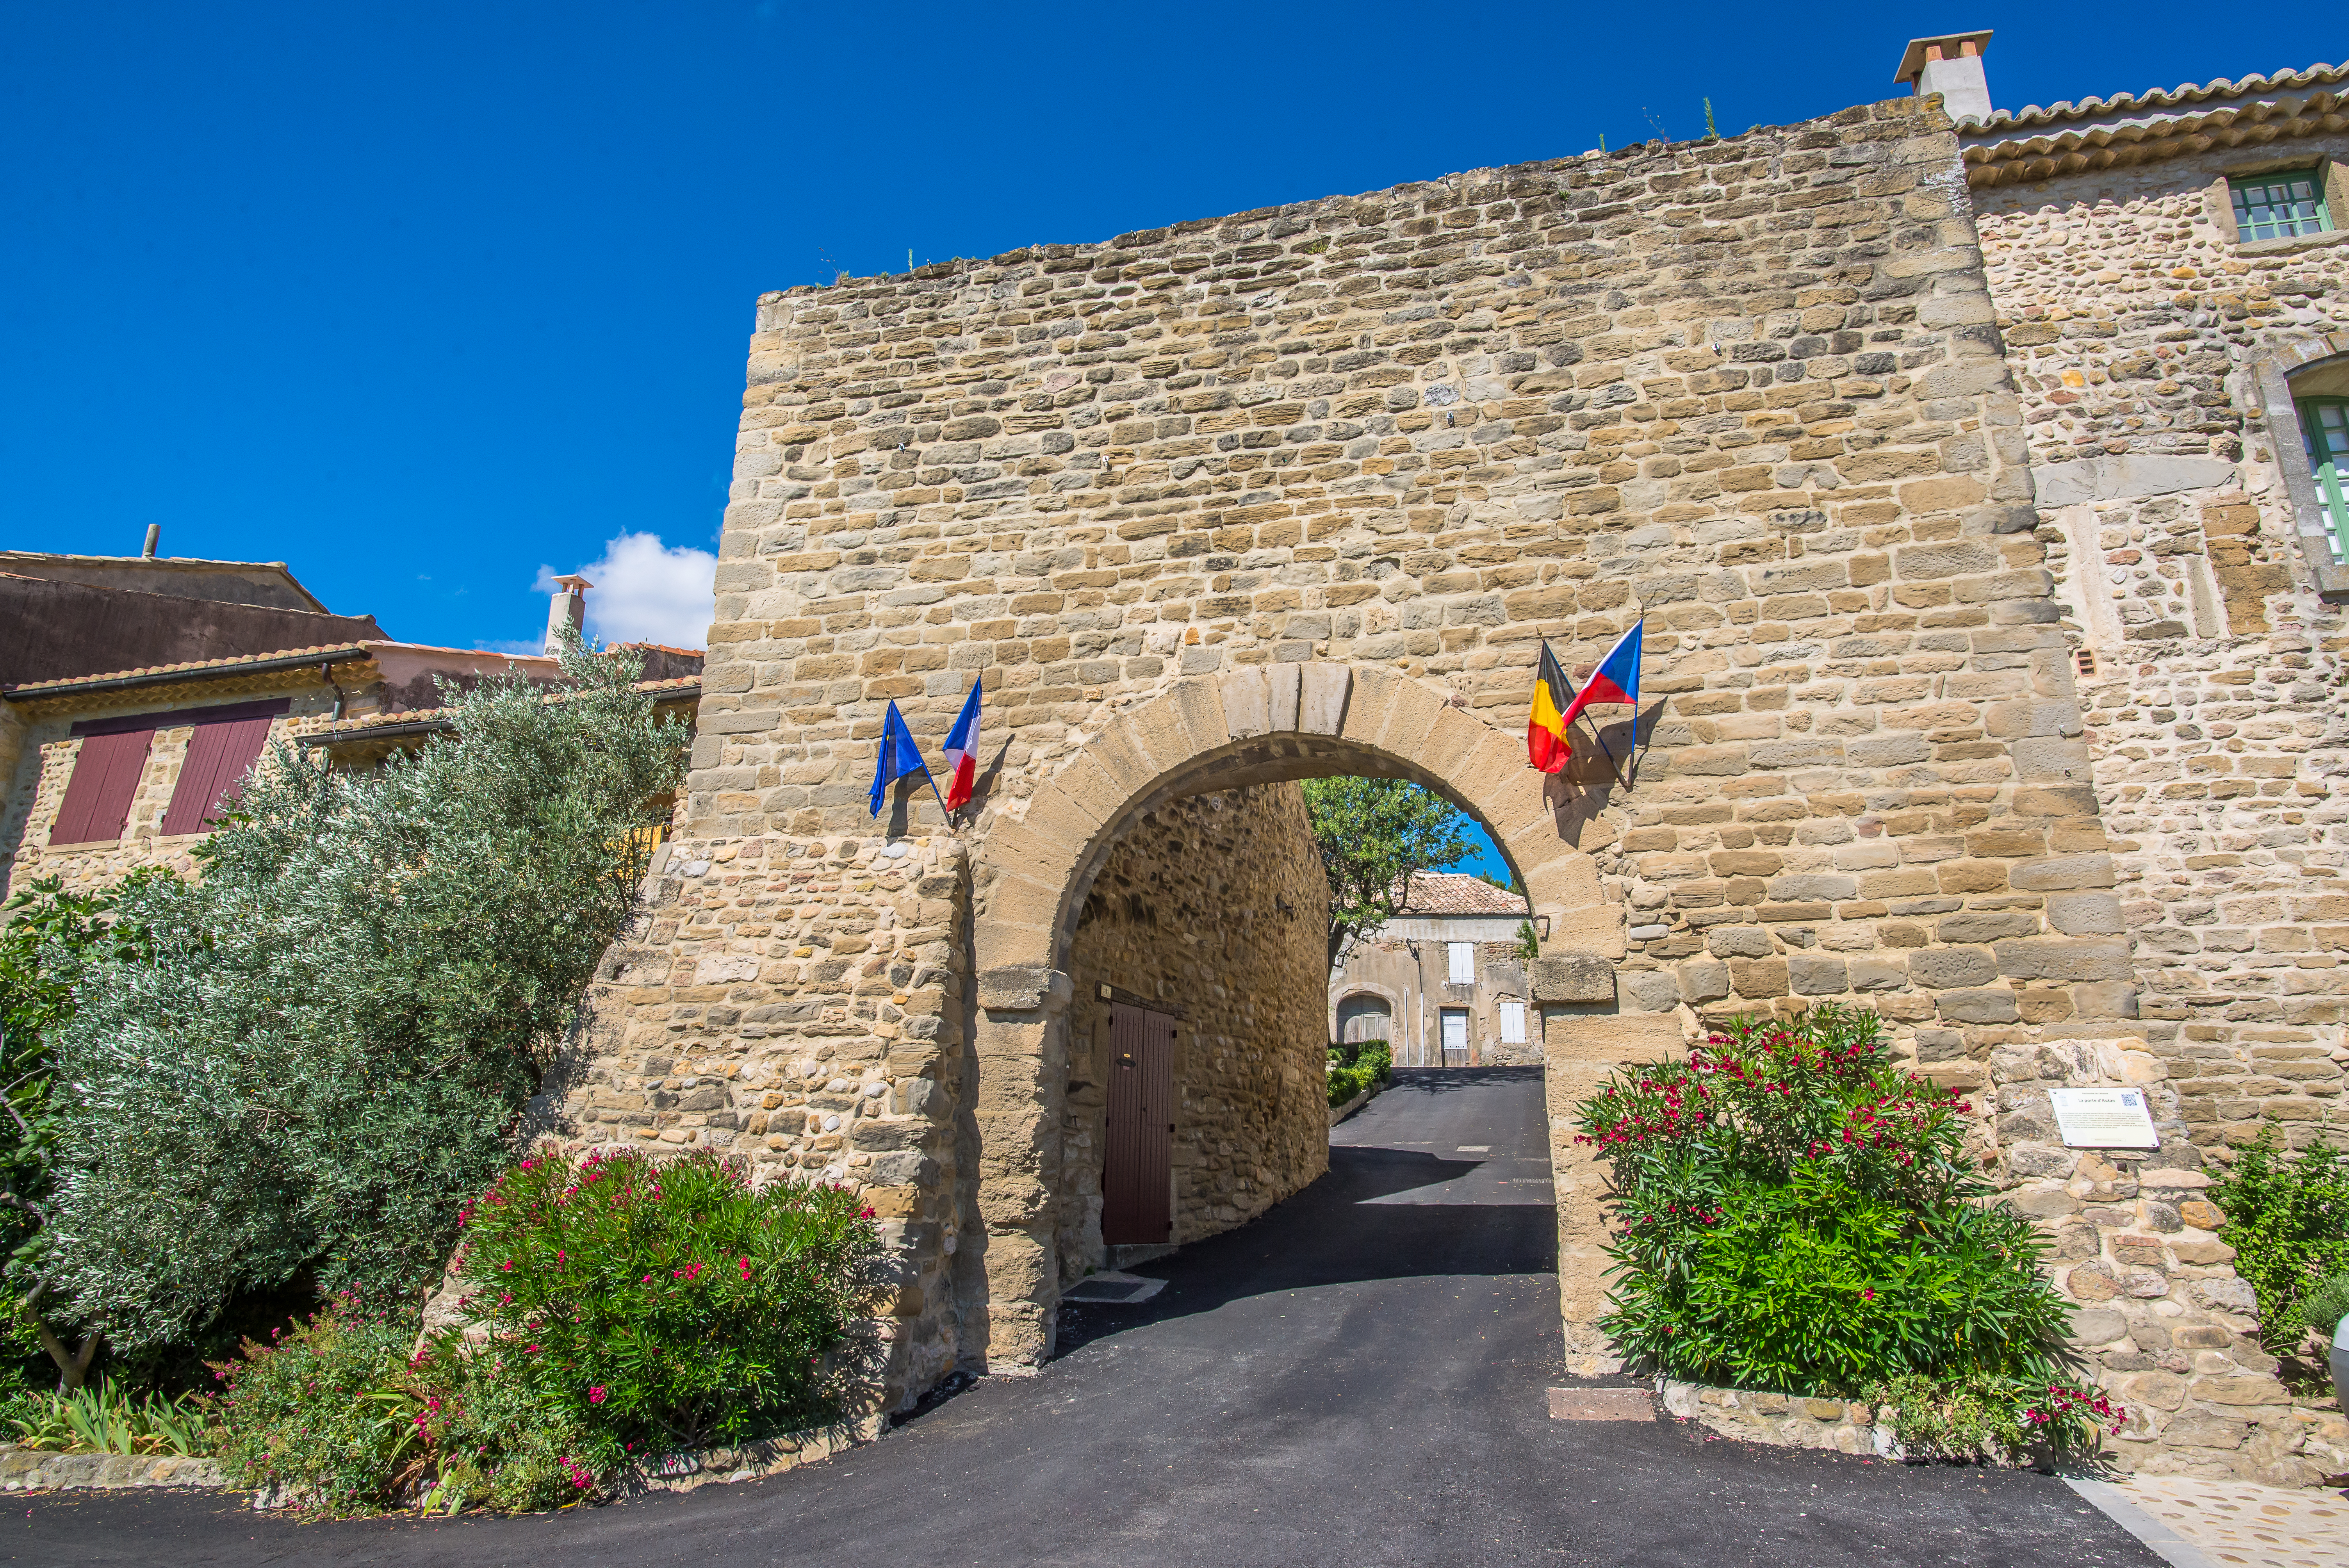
(1296, 492)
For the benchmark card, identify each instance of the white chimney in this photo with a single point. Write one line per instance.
(1950, 65)
(569, 609)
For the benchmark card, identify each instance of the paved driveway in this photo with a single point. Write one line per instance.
(1357, 1377)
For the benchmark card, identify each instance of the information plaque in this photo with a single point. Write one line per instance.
(2105, 1119)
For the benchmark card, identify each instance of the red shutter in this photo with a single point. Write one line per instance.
(97, 797)
(219, 754)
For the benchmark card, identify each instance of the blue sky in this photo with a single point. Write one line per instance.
(424, 299)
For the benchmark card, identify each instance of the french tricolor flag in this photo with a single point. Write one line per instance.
(962, 751)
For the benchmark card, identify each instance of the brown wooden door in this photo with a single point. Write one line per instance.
(1137, 1169)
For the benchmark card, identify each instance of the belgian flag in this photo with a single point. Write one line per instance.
(1545, 746)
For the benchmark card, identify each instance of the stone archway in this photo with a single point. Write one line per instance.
(1262, 725)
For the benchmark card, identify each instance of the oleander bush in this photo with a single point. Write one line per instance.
(671, 1303)
(618, 1307)
(2288, 1221)
(1797, 1214)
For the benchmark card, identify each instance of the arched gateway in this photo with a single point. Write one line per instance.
(1301, 491)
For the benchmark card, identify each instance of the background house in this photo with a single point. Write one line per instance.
(1444, 982)
(110, 763)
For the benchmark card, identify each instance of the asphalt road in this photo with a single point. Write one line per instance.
(1356, 1378)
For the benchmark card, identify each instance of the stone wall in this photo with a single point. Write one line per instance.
(2140, 330)
(1298, 492)
(800, 1002)
(1210, 909)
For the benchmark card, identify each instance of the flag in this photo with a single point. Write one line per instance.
(899, 755)
(1617, 678)
(1546, 747)
(962, 750)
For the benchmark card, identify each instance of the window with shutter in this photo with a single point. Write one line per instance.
(1462, 957)
(105, 778)
(227, 742)
(1513, 1023)
(2326, 421)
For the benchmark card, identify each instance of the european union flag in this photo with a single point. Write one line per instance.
(899, 756)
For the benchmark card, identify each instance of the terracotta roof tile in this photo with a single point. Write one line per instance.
(358, 728)
(1457, 892)
(2159, 98)
(197, 666)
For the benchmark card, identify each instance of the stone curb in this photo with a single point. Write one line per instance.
(751, 1462)
(1784, 1420)
(1338, 1113)
(39, 1469)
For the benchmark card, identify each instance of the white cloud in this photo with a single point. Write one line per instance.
(647, 591)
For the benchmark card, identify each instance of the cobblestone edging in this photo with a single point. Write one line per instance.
(769, 1456)
(1786, 1420)
(37, 1470)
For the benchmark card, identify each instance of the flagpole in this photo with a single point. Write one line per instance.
(931, 779)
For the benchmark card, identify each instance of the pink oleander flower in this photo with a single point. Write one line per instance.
(596, 1395)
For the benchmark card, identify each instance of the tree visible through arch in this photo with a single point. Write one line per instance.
(1374, 835)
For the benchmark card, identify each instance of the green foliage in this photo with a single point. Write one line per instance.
(331, 1035)
(339, 1417)
(2288, 1221)
(49, 940)
(2323, 1309)
(1356, 1066)
(1978, 1415)
(1528, 941)
(1798, 1215)
(672, 1305)
(106, 1420)
(326, 1415)
(1374, 834)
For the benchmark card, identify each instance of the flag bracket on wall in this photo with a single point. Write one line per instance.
(1557, 705)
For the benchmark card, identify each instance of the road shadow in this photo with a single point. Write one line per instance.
(1333, 1232)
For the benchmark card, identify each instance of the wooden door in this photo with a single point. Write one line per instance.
(1137, 1168)
(1455, 1037)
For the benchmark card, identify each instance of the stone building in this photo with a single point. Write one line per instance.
(2169, 273)
(1296, 492)
(1444, 982)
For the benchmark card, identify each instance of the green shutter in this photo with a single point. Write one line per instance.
(2326, 422)
(2278, 206)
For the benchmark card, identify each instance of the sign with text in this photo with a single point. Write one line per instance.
(2105, 1119)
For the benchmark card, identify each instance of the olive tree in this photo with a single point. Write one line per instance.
(330, 1036)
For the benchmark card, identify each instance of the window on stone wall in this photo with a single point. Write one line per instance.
(2278, 206)
(1513, 1023)
(1462, 958)
(2325, 422)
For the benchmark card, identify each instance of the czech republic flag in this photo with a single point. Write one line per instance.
(962, 751)
(1617, 678)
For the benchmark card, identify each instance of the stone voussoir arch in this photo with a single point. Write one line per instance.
(1265, 724)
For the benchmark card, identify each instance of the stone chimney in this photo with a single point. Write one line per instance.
(1950, 65)
(569, 609)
